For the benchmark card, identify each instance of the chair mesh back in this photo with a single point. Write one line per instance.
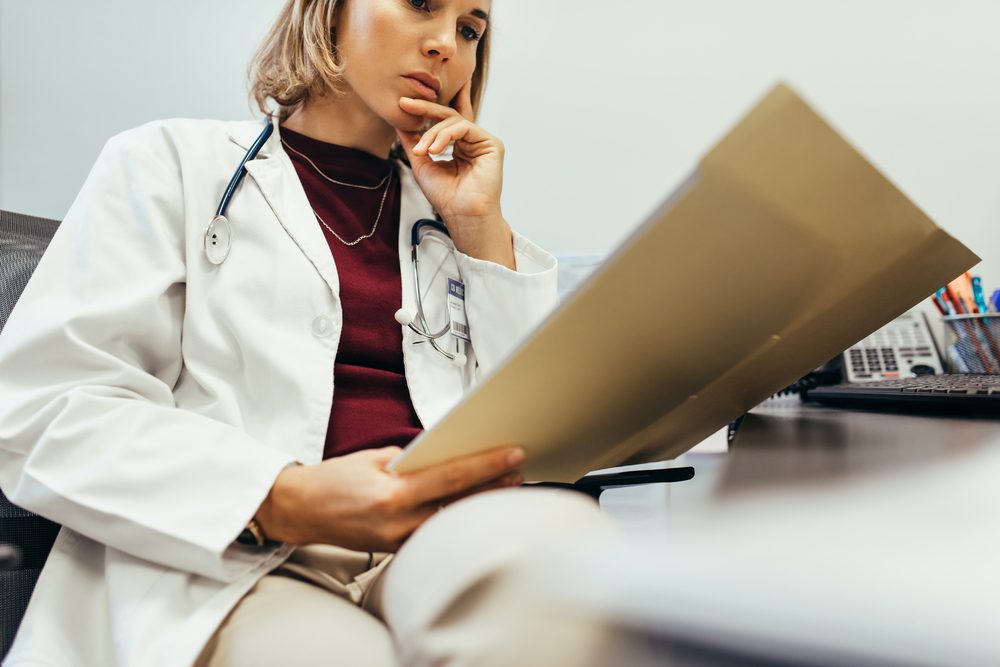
(23, 239)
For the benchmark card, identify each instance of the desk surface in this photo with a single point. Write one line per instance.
(786, 442)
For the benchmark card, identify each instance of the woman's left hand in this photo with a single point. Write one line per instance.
(465, 190)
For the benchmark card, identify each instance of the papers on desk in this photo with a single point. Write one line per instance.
(782, 249)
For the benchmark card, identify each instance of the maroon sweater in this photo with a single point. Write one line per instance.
(371, 402)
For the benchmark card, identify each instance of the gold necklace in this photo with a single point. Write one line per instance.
(378, 217)
(333, 180)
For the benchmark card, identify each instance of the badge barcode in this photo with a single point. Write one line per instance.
(461, 328)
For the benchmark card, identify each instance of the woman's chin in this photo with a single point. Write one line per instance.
(405, 122)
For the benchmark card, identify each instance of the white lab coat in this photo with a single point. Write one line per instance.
(148, 399)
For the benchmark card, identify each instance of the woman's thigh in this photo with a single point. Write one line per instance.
(454, 594)
(285, 621)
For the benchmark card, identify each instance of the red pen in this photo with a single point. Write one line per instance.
(954, 300)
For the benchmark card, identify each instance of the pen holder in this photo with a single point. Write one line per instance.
(974, 343)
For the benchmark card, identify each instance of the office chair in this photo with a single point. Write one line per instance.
(25, 539)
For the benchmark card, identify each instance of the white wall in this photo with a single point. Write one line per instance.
(603, 106)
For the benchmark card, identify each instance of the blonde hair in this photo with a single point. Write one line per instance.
(297, 60)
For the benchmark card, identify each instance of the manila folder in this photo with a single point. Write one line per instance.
(783, 248)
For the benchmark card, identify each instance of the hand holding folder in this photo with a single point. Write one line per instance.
(796, 228)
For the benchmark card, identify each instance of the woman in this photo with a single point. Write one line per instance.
(160, 405)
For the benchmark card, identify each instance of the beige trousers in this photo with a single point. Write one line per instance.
(453, 596)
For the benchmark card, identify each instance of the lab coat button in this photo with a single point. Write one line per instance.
(322, 327)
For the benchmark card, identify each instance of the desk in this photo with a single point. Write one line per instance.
(824, 537)
(786, 442)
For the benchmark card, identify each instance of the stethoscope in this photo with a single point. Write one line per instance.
(219, 241)
(405, 317)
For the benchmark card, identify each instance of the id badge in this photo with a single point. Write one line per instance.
(456, 310)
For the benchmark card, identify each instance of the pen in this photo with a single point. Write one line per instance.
(960, 291)
(940, 303)
(956, 302)
(977, 294)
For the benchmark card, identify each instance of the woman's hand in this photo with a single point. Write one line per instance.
(354, 502)
(465, 190)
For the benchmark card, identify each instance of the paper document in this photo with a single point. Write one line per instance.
(782, 249)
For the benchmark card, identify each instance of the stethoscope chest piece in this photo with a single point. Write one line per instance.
(218, 239)
(219, 233)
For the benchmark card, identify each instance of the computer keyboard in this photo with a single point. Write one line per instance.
(956, 394)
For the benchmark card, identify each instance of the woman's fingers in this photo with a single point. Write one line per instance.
(383, 455)
(474, 140)
(453, 124)
(426, 109)
(505, 482)
(438, 137)
(458, 476)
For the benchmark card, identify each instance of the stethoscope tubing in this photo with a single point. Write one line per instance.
(415, 237)
(423, 331)
(241, 171)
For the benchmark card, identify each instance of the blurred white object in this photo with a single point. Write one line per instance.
(895, 569)
(447, 155)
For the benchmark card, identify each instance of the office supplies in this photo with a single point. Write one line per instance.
(954, 394)
(995, 300)
(965, 330)
(976, 340)
(797, 226)
(972, 334)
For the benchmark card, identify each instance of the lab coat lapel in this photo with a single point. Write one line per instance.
(275, 175)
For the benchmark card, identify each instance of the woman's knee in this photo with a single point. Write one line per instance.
(474, 546)
(531, 517)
